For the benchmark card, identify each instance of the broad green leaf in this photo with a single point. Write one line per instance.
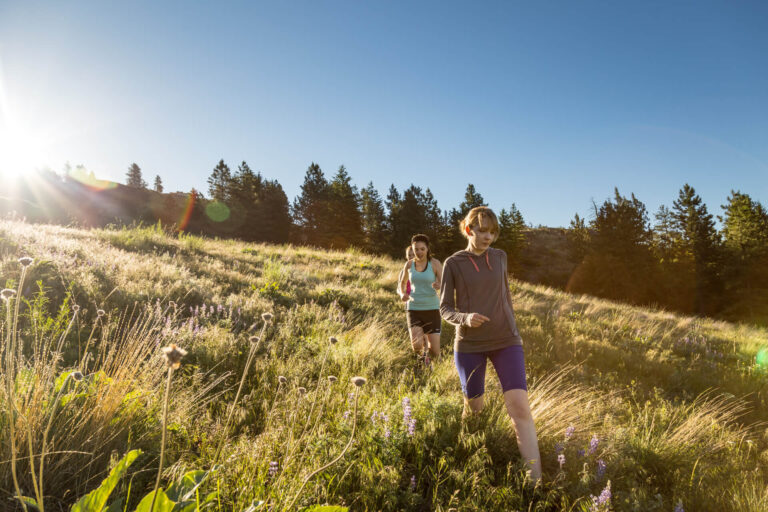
(162, 503)
(96, 500)
(115, 506)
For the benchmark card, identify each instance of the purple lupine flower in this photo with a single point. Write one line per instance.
(561, 460)
(679, 507)
(413, 483)
(602, 502)
(600, 469)
(373, 417)
(407, 410)
(569, 432)
(558, 447)
(346, 414)
(387, 433)
(593, 444)
(273, 468)
(351, 398)
(581, 453)
(412, 427)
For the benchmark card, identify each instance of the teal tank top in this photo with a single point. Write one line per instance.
(424, 296)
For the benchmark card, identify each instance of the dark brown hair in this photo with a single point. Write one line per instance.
(425, 239)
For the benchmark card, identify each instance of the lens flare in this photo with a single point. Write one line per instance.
(762, 358)
(187, 211)
(217, 211)
(88, 179)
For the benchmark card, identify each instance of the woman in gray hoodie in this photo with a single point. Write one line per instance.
(475, 297)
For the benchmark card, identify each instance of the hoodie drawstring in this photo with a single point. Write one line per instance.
(487, 262)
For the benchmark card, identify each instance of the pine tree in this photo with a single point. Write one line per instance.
(311, 208)
(244, 190)
(619, 263)
(374, 220)
(698, 244)
(219, 182)
(345, 228)
(578, 239)
(158, 184)
(511, 236)
(133, 177)
(745, 234)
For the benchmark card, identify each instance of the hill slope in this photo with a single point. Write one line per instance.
(666, 408)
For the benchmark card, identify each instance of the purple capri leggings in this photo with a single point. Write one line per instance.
(508, 362)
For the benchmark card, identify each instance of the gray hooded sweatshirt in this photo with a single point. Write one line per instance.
(478, 284)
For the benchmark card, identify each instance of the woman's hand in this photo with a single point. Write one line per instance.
(476, 319)
(405, 297)
(436, 285)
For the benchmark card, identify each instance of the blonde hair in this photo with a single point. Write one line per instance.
(477, 217)
(408, 252)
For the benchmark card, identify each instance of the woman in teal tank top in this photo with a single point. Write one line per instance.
(422, 303)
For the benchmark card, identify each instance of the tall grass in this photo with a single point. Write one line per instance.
(667, 408)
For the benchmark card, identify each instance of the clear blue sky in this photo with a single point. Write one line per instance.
(545, 104)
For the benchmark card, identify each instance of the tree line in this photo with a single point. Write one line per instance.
(680, 260)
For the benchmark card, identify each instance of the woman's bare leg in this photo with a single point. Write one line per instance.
(417, 339)
(434, 345)
(519, 410)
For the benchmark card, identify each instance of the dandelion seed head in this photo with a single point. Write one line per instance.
(282, 379)
(7, 293)
(26, 261)
(359, 381)
(266, 317)
(173, 354)
(254, 339)
(301, 390)
(333, 340)
(75, 308)
(332, 379)
(561, 460)
(76, 376)
(100, 313)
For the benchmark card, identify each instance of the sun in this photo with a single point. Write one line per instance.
(20, 151)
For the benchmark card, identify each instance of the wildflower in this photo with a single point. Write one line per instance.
(581, 453)
(561, 460)
(266, 317)
(7, 293)
(602, 502)
(332, 379)
(100, 313)
(593, 444)
(77, 376)
(373, 417)
(281, 379)
(679, 507)
(273, 468)
(333, 340)
(26, 261)
(173, 355)
(346, 414)
(600, 469)
(387, 433)
(412, 427)
(569, 432)
(359, 381)
(302, 390)
(351, 398)
(413, 483)
(558, 447)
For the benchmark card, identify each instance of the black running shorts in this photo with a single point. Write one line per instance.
(428, 320)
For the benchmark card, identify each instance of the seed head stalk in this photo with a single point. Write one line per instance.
(162, 442)
(334, 461)
(251, 354)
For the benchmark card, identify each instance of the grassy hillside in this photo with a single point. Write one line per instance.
(667, 409)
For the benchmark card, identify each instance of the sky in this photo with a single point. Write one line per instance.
(547, 105)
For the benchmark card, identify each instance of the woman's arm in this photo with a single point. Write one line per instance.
(403, 279)
(438, 268)
(447, 297)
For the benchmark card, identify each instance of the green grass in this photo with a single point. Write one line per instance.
(677, 404)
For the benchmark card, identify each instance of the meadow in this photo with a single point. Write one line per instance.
(636, 409)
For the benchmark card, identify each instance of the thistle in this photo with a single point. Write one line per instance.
(173, 355)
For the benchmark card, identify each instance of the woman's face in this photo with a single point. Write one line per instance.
(420, 250)
(481, 236)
